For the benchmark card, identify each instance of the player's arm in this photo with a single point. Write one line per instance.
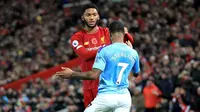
(78, 46)
(90, 75)
(67, 73)
(128, 36)
(136, 67)
(98, 67)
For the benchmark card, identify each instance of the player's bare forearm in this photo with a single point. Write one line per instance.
(67, 73)
(90, 75)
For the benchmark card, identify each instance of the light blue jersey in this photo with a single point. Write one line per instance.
(116, 61)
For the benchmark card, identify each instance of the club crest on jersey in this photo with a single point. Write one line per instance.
(94, 41)
(86, 43)
(102, 39)
(75, 43)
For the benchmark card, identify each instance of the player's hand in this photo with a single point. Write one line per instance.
(125, 30)
(65, 73)
(129, 44)
(127, 37)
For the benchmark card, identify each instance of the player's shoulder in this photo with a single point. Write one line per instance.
(78, 34)
(103, 48)
(134, 52)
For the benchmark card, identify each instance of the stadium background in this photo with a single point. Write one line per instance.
(34, 37)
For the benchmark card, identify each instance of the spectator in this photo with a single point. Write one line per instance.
(166, 86)
(196, 101)
(151, 96)
(138, 100)
(195, 71)
(179, 102)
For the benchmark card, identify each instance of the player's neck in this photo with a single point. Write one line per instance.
(91, 30)
(117, 40)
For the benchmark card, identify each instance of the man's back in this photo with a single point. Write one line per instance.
(120, 60)
(116, 61)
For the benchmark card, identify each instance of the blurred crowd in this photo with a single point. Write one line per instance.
(35, 36)
(43, 96)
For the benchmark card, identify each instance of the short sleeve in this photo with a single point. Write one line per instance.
(100, 61)
(136, 66)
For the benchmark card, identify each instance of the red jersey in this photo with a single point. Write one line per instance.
(86, 46)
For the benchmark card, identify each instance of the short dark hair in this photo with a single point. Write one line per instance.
(116, 26)
(89, 6)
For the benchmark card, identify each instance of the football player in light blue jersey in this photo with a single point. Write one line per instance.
(112, 65)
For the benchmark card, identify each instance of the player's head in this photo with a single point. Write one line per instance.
(90, 15)
(116, 29)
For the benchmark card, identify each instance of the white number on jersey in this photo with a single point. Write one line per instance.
(124, 66)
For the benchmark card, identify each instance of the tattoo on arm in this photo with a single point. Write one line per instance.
(90, 75)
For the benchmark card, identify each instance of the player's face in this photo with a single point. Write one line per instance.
(90, 17)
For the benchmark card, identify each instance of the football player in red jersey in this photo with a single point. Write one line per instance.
(86, 44)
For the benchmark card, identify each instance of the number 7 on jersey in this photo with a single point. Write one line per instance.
(124, 66)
